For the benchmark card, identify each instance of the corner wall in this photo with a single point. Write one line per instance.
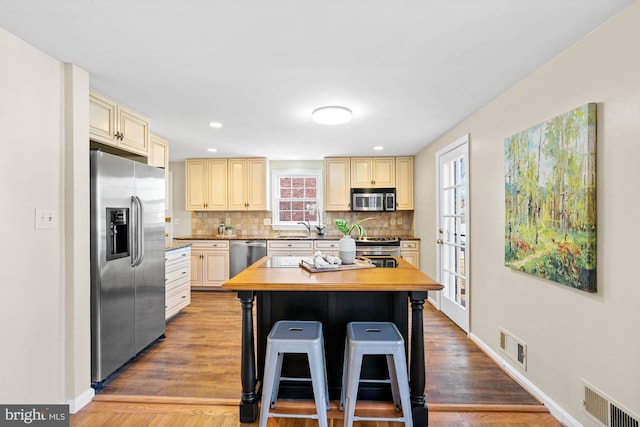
(570, 334)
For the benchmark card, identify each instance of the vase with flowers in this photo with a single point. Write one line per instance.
(346, 245)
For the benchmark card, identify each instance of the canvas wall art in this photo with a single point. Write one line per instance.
(550, 199)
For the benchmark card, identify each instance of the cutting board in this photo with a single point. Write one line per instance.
(358, 265)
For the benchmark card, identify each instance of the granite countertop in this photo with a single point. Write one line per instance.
(234, 237)
(175, 246)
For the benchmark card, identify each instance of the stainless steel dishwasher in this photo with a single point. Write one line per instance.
(243, 253)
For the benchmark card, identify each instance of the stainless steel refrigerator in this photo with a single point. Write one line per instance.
(127, 260)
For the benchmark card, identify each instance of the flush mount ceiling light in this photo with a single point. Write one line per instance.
(212, 150)
(215, 124)
(378, 148)
(332, 115)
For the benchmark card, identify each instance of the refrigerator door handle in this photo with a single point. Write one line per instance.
(140, 230)
(133, 233)
(137, 232)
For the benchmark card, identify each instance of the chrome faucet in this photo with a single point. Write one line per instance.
(307, 225)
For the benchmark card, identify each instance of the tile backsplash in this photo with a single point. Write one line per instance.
(251, 224)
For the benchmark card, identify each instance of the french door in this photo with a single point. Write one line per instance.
(453, 231)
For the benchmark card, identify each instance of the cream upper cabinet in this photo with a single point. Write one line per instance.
(373, 172)
(116, 125)
(206, 184)
(248, 184)
(337, 183)
(159, 152)
(404, 183)
(159, 157)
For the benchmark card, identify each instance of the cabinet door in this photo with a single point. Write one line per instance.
(256, 184)
(159, 157)
(337, 184)
(216, 268)
(216, 184)
(135, 131)
(195, 184)
(404, 183)
(196, 268)
(158, 152)
(384, 172)
(237, 185)
(361, 173)
(412, 258)
(102, 120)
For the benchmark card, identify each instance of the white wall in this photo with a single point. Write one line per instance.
(40, 362)
(570, 334)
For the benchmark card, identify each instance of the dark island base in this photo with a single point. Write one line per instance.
(334, 310)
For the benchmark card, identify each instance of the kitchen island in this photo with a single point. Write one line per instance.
(334, 298)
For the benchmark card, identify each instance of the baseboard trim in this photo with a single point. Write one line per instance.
(81, 401)
(556, 410)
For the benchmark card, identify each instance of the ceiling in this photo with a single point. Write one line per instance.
(409, 70)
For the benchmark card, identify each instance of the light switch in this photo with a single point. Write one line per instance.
(45, 219)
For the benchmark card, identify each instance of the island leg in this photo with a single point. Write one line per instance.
(417, 364)
(249, 402)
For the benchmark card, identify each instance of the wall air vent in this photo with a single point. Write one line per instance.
(515, 348)
(604, 410)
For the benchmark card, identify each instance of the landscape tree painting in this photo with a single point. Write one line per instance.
(550, 199)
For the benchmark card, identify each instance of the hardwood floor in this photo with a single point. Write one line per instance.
(192, 378)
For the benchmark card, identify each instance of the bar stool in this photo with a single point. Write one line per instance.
(368, 338)
(301, 337)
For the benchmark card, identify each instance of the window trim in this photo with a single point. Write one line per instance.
(275, 193)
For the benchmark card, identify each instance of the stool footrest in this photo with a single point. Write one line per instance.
(391, 419)
(295, 379)
(310, 416)
(371, 381)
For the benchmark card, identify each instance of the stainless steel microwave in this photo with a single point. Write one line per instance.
(373, 199)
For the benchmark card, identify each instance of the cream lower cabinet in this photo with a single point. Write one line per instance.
(410, 251)
(177, 280)
(337, 183)
(209, 263)
(327, 247)
(290, 247)
(116, 125)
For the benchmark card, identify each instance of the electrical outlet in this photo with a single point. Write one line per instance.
(393, 221)
(266, 221)
(45, 219)
(399, 221)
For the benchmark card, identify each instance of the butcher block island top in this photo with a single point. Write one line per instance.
(261, 277)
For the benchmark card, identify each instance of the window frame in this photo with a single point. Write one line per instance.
(276, 224)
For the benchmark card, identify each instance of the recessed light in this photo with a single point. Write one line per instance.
(215, 124)
(332, 115)
(212, 150)
(378, 148)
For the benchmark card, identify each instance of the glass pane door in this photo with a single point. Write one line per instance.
(452, 234)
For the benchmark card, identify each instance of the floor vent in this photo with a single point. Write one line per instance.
(515, 348)
(604, 410)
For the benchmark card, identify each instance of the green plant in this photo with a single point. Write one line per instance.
(346, 229)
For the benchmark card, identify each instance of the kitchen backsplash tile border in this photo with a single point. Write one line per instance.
(251, 224)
